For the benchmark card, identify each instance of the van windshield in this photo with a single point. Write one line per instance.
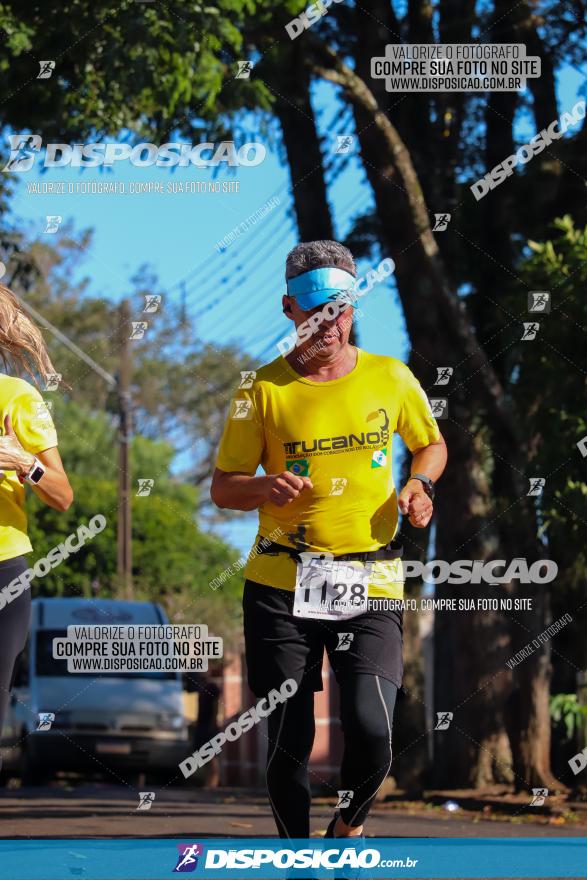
(50, 666)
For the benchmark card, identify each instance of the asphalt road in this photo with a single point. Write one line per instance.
(101, 810)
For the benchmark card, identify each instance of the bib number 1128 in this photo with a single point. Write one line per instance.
(353, 593)
(330, 590)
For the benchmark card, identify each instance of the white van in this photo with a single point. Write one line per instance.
(132, 721)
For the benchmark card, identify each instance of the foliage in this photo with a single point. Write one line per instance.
(548, 383)
(565, 709)
(135, 67)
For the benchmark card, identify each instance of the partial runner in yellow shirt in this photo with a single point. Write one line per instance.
(28, 459)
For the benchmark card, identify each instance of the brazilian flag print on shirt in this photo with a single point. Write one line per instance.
(298, 466)
(339, 434)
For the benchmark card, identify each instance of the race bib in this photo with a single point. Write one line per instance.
(329, 589)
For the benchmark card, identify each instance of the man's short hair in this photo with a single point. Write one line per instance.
(316, 255)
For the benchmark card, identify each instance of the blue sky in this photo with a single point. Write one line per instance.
(235, 296)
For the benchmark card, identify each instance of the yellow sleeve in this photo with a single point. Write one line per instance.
(32, 422)
(416, 425)
(242, 443)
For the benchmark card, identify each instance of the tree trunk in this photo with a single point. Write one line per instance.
(528, 711)
(494, 255)
(543, 87)
(480, 757)
(470, 647)
(304, 155)
(417, 130)
(455, 26)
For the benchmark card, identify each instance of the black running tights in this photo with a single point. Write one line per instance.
(14, 626)
(366, 712)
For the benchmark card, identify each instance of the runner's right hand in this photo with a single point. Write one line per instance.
(284, 488)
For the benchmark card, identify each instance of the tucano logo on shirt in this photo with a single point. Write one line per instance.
(363, 439)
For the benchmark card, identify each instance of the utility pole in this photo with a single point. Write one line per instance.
(124, 554)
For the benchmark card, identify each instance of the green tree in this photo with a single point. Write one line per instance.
(548, 381)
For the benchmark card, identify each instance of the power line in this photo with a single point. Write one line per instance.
(250, 270)
(265, 286)
(217, 254)
(211, 284)
(348, 208)
(246, 243)
(234, 277)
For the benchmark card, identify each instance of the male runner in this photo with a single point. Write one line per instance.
(320, 422)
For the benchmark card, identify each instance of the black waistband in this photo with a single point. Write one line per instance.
(393, 550)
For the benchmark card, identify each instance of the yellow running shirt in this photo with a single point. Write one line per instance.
(33, 425)
(339, 434)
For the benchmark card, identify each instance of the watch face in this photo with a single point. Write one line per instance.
(428, 488)
(36, 475)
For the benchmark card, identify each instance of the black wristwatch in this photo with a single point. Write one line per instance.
(426, 482)
(35, 472)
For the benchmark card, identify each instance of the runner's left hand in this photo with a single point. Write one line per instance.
(414, 501)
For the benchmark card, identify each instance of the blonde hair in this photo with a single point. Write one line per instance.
(22, 347)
